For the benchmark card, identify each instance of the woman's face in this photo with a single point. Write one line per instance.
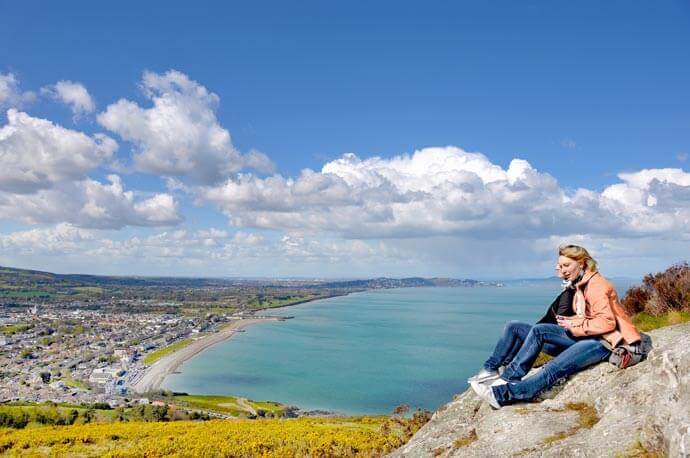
(568, 268)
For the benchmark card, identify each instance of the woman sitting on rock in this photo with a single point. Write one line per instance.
(584, 315)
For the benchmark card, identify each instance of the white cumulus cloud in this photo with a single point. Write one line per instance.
(433, 191)
(36, 154)
(60, 239)
(448, 191)
(73, 95)
(10, 93)
(91, 204)
(179, 135)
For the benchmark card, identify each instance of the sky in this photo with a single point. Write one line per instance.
(343, 139)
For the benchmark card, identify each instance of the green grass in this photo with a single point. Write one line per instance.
(158, 354)
(23, 293)
(228, 404)
(273, 302)
(16, 328)
(74, 383)
(93, 290)
(646, 322)
(268, 406)
(224, 404)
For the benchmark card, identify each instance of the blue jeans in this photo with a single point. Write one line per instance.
(514, 334)
(575, 355)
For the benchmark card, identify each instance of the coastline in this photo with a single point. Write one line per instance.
(304, 301)
(155, 374)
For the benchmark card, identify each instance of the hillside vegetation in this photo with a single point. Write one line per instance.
(663, 298)
(342, 437)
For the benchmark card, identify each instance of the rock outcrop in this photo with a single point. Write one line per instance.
(601, 412)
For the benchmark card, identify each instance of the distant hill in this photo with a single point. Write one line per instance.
(19, 277)
(383, 282)
(36, 278)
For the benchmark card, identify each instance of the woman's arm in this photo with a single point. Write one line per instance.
(599, 318)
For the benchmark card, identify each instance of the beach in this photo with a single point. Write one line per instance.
(154, 375)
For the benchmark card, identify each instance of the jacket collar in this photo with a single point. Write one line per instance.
(586, 277)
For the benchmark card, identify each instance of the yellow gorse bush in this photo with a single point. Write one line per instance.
(302, 437)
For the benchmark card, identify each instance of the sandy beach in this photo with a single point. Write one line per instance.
(154, 375)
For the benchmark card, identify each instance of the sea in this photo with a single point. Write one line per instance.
(368, 352)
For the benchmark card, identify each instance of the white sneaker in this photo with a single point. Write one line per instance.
(484, 375)
(485, 393)
(498, 382)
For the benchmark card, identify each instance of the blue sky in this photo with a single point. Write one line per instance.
(581, 91)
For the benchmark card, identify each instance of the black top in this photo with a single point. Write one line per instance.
(562, 305)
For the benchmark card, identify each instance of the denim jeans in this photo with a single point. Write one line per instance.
(575, 354)
(514, 334)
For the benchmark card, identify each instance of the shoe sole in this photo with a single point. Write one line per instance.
(483, 379)
(484, 398)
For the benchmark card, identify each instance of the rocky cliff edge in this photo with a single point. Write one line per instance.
(603, 411)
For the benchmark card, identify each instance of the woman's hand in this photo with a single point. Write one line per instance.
(564, 322)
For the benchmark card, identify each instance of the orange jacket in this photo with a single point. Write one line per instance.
(598, 312)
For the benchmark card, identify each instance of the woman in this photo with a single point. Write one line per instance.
(596, 315)
(515, 332)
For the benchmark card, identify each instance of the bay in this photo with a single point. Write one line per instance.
(366, 353)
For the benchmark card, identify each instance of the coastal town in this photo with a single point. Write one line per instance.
(86, 356)
(84, 340)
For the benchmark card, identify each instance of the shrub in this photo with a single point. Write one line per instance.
(635, 300)
(661, 292)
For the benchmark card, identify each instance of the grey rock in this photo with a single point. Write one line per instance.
(603, 411)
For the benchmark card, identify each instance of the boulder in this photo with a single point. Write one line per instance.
(603, 411)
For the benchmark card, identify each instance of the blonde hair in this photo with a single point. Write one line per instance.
(579, 254)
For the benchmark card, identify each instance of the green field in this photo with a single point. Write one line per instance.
(272, 302)
(158, 354)
(90, 290)
(70, 381)
(23, 293)
(15, 328)
(230, 405)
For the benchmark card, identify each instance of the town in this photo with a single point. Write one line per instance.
(86, 356)
(79, 339)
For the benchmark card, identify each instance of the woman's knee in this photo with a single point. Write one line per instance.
(543, 328)
(513, 325)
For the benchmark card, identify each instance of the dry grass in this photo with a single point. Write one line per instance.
(587, 414)
(586, 418)
(557, 437)
(542, 359)
(639, 450)
(465, 440)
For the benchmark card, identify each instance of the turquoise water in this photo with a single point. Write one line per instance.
(368, 352)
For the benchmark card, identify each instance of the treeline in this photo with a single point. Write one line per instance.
(661, 293)
(19, 417)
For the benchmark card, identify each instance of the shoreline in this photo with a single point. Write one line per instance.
(304, 301)
(154, 375)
